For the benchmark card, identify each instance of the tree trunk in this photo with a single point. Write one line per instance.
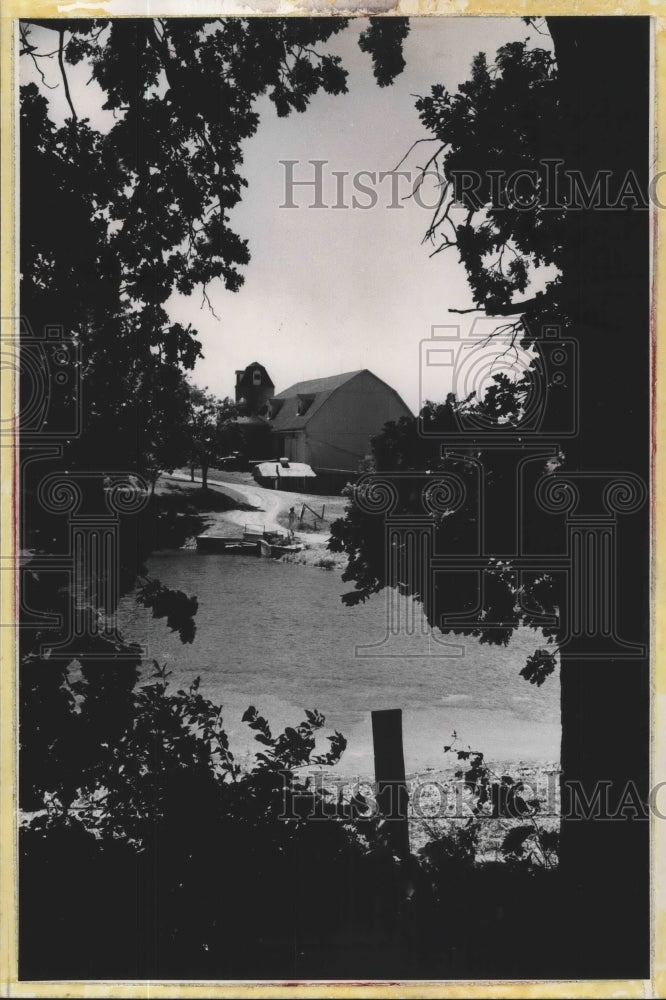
(204, 475)
(603, 66)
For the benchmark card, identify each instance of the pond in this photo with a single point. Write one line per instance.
(277, 636)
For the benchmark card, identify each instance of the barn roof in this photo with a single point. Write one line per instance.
(244, 375)
(311, 396)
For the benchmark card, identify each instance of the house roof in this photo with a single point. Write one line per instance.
(245, 379)
(320, 389)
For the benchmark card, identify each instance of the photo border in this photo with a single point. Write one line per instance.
(12, 10)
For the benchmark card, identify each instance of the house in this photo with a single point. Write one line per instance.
(327, 423)
(254, 387)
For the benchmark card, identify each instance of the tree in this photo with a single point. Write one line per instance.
(117, 219)
(120, 217)
(500, 128)
(526, 109)
(164, 424)
(408, 448)
(211, 429)
(168, 806)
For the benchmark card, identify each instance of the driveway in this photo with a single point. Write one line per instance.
(269, 505)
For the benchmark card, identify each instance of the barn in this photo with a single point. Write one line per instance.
(327, 423)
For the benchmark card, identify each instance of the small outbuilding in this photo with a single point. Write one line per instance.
(283, 474)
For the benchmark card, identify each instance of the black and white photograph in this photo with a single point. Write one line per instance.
(333, 445)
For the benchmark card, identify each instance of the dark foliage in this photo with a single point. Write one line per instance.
(383, 39)
(171, 862)
(526, 108)
(119, 218)
(415, 446)
(176, 869)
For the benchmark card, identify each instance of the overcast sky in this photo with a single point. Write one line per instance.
(332, 290)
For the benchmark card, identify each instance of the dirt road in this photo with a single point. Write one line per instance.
(270, 505)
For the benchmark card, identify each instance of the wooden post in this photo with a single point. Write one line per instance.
(392, 798)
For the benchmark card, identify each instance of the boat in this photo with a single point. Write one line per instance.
(275, 544)
(269, 544)
(209, 542)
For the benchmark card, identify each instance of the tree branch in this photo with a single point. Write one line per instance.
(510, 309)
(434, 139)
(61, 63)
(31, 50)
(206, 301)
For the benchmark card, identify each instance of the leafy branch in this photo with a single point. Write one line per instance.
(528, 843)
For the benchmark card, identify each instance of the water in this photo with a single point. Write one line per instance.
(277, 636)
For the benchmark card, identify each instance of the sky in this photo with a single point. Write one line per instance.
(329, 290)
(333, 290)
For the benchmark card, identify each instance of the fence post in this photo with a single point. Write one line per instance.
(392, 797)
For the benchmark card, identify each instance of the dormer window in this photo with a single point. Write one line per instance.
(303, 405)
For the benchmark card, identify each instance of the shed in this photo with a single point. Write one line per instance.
(283, 474)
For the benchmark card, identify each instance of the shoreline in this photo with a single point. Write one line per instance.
(505, 753)
(267, 510)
